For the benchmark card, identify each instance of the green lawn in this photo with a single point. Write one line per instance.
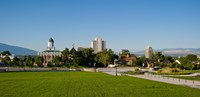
(191, 71)
(85, 84)
(182, 72)
(197, 78)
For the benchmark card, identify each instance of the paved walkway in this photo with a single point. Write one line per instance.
(159, 78)
(176, 81)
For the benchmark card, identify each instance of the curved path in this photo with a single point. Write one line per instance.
(176, 81)
(159, 78)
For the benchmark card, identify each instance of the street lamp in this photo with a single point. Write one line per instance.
(116, 64)
(116, 70)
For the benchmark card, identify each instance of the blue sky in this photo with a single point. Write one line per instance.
(123, 24)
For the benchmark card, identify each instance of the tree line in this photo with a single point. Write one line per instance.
(70, 58)
(86, 58)
(189, 62)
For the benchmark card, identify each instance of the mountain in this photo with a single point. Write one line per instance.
(174, 51)
(17, 50)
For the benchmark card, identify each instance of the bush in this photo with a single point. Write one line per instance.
(168, 70)
(174, 70)
(136, 69)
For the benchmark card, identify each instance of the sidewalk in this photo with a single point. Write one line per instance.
(176, 81)
(159, 78)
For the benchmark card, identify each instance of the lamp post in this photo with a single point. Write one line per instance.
(116, 70)
(116, 64)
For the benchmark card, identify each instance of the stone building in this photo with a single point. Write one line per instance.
(50, 53)
(126, 58)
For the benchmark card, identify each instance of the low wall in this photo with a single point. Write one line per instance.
(2, 70)
(18, 69)
(90, 69)
(12, 69)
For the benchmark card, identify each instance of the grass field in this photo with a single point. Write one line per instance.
(197, 78)
(85, 84)
(190, 71)
(181, 72)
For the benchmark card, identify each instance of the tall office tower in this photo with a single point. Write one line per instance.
(149, 53)
(98, 45)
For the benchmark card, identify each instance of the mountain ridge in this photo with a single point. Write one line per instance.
(17, 50)
(174, 51)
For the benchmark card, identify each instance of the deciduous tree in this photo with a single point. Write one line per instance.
(105, 57)
(39, 61)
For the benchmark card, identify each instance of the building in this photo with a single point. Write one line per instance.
(81, 49)
(12, 56)
(124, 52)
(149, 53)
(50, 53)
(126, 58)
(98, 45)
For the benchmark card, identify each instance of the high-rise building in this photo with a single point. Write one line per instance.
(149, 53)
(50, 53)
(98, 45)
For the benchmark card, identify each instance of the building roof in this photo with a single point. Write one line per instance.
(51, 40)
(98, 38)
(51, 51)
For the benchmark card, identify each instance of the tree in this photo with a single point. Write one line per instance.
(57, 61)
(111, 56)
(173, 65)
(39, 61)
(72, 54)
(161, 64)
(140, 61)
(116, 56)
(88, 56)
(187, 64)
(159, 56)
(65, 55)
(125, 52)
(5, 53)
(78, 60)
(29, 60)
(168, 59)
(6, 60)
(15, 61)
(73, 51)
(105, 57)
(198, 65)
(191, 57)
(190, 66)
(133, 62)
(21, 63)
(84, 57)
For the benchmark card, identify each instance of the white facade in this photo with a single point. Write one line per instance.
(98, 45)
(12, 56)
(177, 61)
(50, 53)
(51, 44)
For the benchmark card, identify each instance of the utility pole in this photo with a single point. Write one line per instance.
(73, 45)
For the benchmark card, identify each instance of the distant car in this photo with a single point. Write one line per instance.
(111, 65)
(156, 68)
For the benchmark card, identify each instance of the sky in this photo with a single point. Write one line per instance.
(123, 24)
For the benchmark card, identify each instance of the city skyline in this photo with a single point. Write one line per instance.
(123, 24)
